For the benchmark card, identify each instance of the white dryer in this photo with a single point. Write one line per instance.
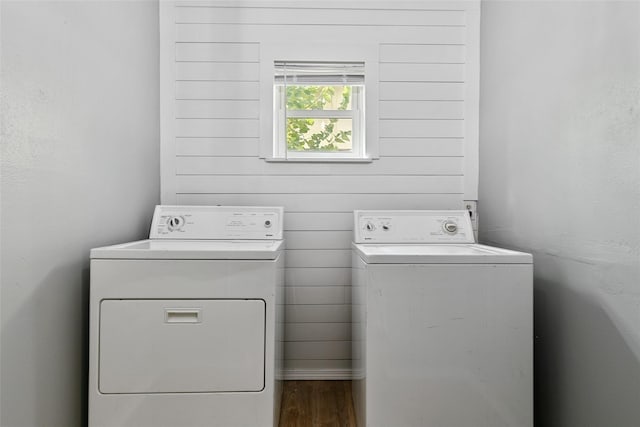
(186, 327)
(442, 326)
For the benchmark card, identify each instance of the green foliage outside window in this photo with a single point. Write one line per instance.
(303, 134)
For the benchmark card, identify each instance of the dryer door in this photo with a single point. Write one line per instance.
(181, 346)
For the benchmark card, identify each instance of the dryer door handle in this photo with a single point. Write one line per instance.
(182, 315)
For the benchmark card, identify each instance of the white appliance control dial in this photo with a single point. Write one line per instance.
(450, 227)
(369, 226)
(267, 224)
(175, 223)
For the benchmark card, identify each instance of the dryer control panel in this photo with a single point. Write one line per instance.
(413, 227)
(217, 222)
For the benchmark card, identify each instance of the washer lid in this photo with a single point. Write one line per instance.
(438, 254)
(192, 249)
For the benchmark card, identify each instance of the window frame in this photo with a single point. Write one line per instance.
(321, 52)
(356, 114)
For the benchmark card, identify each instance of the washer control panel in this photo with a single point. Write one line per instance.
(413, 227)
(217, 222)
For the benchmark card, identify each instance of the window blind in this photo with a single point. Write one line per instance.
(298, 72)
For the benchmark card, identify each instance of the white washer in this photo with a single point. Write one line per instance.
(442, 326)
(186, 327)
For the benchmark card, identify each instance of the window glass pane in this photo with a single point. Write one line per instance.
(319, 134)
(311, 97)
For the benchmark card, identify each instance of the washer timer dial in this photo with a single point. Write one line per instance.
(175, 223)
(450, 227)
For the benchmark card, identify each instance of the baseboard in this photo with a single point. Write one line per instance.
(317, 374)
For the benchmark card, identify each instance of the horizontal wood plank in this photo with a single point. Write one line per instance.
(309, 221)
(420, 146)
(299, 184)
(218, 52)
(316, 294)
(318, 276)
(232, 128)
(220, 147)
(421, 110)
(312, 364)
(321, 203)
(409, 5)
(317, 16)
(317, 331)
(417, 128)
(218, 71)
(318, 239)
(337, 34)
(318, 258)
(215, 165)
(321, 313)
(217, 90)
(422, 72)
(421, 91)
(217, 109)
(422, 53)
(327, 350)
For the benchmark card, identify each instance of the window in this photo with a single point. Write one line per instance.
(318, 110)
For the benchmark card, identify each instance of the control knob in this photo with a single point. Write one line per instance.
(450, 227)
(175, 223)
(369, 226)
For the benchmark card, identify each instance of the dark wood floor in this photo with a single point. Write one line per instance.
(317, 404)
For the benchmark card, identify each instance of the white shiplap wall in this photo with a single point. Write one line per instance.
(427, 125)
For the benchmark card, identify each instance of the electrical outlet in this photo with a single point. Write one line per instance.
(472, 207)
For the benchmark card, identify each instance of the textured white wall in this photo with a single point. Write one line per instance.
(560, 177)
(80, 168)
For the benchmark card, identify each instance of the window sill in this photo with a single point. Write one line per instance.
(319, 160)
